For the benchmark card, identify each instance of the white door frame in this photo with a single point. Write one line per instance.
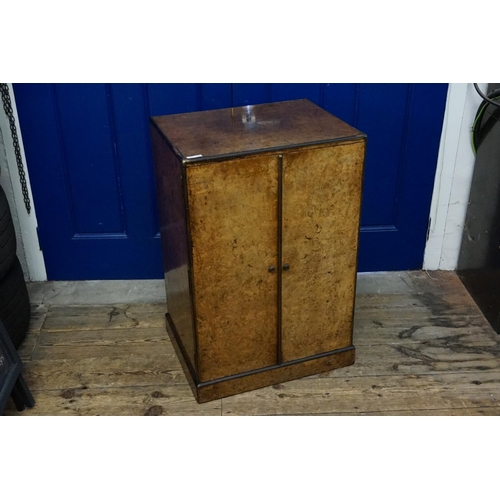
(453, 178)
(28, 248)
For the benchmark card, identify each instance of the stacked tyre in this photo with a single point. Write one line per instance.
(14, 299)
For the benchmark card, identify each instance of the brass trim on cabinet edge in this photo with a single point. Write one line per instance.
(279, 354)
(365, 140)
(270, 376)
(275, 149)
(192, 293)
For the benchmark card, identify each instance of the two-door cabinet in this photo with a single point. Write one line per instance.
(259, 210)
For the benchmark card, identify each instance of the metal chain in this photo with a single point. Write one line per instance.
(7, 106)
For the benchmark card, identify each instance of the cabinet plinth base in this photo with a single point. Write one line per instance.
(256, 379)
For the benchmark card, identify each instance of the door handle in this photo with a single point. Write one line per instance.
(286, 267)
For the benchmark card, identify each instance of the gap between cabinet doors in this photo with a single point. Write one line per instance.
(328, 162)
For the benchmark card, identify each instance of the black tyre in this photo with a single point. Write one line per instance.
(15, 304)
(7, 236)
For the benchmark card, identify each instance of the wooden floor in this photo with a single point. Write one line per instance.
(422, 348)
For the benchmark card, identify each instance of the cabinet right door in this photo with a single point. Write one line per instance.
(321, 208)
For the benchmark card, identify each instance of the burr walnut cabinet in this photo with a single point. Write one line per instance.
(259, 210)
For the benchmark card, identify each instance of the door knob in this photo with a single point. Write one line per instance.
(272, 269)
(286, 267)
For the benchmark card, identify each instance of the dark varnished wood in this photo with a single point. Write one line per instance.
(174, 239)
(255, 379)
(275, 375)
(188, 368)
(259, 207)
(252, 128)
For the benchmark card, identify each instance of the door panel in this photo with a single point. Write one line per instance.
(321, 201)
(233, 217)
(89, 158)
(87, 110)
(88, 151)
(385, 149)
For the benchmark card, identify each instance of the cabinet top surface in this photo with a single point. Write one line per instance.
(250, 129)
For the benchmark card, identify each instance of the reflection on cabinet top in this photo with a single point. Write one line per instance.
(208, 135)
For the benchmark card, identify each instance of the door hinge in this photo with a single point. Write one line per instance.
(428, 229)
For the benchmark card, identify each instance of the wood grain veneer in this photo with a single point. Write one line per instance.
(259, 210)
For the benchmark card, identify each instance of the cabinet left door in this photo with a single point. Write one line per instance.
(234, 235)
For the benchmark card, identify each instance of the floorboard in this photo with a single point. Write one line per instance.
(422, 348)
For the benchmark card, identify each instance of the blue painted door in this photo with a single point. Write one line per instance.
(89, 160)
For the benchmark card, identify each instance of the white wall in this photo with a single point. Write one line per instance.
(28, 249)
(453, 178)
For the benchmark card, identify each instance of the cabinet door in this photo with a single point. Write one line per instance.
(233, 223)
(321, 204)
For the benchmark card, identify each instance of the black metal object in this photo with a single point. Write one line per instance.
(7, 106)
(11, 380)
(479, 261)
